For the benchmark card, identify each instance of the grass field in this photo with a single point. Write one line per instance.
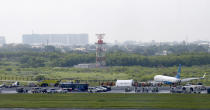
(111, 73)
(98, 100)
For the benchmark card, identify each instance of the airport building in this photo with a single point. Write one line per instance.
(2, 40)
(89, 65)
(55, 39)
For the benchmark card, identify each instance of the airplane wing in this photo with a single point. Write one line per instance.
(189, 79)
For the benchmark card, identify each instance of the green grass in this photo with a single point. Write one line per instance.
(86, 100)
(138, 73)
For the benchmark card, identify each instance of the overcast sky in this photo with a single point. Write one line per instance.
(137, 20)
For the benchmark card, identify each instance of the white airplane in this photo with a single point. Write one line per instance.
(174, 80)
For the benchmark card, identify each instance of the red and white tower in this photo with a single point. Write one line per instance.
(100, 51)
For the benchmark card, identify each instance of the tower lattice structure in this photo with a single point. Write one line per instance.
(100, 51)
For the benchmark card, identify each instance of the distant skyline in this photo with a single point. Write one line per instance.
(121, 20)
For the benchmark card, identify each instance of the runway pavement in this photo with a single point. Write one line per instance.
(86, 109)
(114, 90)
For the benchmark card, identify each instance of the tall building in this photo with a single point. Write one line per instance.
(55, 39)
(2, 40)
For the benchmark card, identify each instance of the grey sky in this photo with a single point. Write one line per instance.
(138, 20)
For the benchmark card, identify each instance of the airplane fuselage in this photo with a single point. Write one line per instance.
(166, 79)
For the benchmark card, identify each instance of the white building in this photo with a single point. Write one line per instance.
(124, 83)
(89, 65)
(55, 39)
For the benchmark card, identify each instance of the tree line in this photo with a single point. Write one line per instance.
(147, 50)
(188, 59)
(56, 59)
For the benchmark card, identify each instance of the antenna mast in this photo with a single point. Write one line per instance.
(100, 51)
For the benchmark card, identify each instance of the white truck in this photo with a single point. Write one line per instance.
(188, 89)
(193, 88)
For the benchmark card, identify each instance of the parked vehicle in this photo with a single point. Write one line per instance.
(128, 89)
(155, 89)
(36, 90)
(102, 89)
(63, 90)
(44, 85)
(32, 85)
(177, 89)
(193, 88)
(92, 89)
(108, 88)
(95, 89)
(188, 89)
(52, 90)
(208, 91)
(74, 86)
(21, 90)
(44, 90)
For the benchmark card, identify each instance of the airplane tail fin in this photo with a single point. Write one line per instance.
(203, 76)
(178, 72)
